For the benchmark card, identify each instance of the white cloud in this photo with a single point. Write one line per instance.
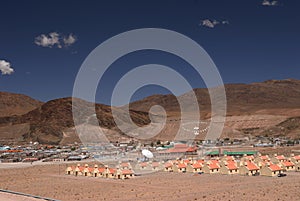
(269, 3)
(212, 23)
(225, 22)
(5, 68)
(54, 39)
(48, 40)
(69, 40)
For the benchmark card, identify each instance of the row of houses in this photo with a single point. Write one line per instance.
(124, 171)
(247, 165)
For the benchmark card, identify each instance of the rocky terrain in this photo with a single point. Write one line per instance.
(16, 104)
(269, 108)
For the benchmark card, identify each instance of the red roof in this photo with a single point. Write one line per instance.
(251, 166)
(127, 172)
(125, 164)
(231, 165)
(274, 167)
(280, 157)
(264, 157)
(101, 170)
(143, 164)
(200, 161)
(155, 164)
(181, 165)
(213, 165)
(186, 161)
(288, 164)
(191, 149)
(229, 158)
(297, 157)
(168, 165)
(197, 165)
(111, 170)
(181, 148)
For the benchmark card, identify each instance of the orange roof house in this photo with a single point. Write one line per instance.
(125, 166)
(109, 172)
(288, 166)
(229, 167)
(194, 168)
(70, 170)
(271, 170)
(211, 167)
(248, 168)
(260, 158)
(123, 173)
(295, 159)
(278, 159)
(179, 167)
(168, 167)
(143, 166)
(156, 166)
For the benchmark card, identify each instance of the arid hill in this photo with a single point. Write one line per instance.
(263, 108)
(47, 123)
(16, 104)
(242, 99)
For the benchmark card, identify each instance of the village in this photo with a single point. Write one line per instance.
(248, 165)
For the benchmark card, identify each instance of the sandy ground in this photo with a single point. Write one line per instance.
(49, 181)
(12, 197)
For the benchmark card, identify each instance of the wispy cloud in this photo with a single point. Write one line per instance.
(55, 39)
(269, 3)
(212, 23)
(5, 68)
(69, 40)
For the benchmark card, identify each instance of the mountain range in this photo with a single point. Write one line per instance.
(270, 108)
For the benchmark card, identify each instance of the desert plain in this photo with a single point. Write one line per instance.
(50, 181)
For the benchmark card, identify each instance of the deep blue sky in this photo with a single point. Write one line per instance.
(259, 43)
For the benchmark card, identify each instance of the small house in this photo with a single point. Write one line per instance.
(295, 159)
(248, 168)
(211, 167)
(179, 167)
(142, 166)
(168, 167)
(194, 168)
(229, 168)
(271, 170)
(70, 170)
(277, 159)
(287, 166)
(109, 172)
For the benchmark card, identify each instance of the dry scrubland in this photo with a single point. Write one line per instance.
(44, 180)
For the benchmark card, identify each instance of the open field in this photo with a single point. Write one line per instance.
(44, 180)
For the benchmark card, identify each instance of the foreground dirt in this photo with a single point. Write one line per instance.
(12, 197)
(44, 180)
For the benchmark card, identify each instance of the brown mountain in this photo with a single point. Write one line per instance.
(16, 104)
(241, 98)
(47, 123)
(256, 107)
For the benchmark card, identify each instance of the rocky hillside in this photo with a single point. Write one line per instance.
(16, 104)
(47, 123)
(265, 106)
(241, 98)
